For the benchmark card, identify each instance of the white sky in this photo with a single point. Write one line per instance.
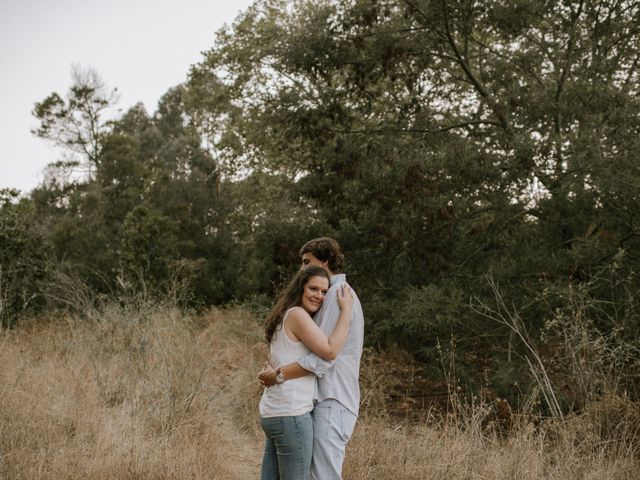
(142, 47)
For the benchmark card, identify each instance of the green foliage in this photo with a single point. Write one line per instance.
(23, 259)
(595, 327)
(76, 124)
(423, 318)
(148, 246)
(438, 141)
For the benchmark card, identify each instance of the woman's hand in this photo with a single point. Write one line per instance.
(345, 297)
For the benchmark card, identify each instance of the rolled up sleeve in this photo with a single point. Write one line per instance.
(316, 365)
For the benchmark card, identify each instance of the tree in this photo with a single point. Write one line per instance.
(441, 140)
(76, 124)
(24, 259)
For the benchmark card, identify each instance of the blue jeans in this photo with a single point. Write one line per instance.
(288, 447)
(333, 425)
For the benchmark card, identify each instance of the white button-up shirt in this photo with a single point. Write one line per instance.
(338, 379)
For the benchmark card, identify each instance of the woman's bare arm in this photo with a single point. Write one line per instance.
(303, 326)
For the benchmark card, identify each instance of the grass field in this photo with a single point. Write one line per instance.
(149, 392)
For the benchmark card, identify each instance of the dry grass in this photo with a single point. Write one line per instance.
(148, 392)
(129, 393)
(442, 451)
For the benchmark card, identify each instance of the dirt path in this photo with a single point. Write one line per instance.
(245, 448)
(245, 455)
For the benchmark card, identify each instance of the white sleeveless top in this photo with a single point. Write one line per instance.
(293, 397)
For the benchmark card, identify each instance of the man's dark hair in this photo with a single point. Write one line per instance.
(325, 249)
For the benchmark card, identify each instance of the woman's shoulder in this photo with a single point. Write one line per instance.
(298, 314)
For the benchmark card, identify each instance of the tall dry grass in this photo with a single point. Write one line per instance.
(129, 393)
(565, 451)
(149, 392)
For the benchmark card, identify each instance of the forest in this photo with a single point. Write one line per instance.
(479, 163)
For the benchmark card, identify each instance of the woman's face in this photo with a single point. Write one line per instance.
(313, 293)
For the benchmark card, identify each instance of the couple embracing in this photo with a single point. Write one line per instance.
(310, 406)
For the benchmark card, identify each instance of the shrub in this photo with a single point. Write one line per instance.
(23, 259)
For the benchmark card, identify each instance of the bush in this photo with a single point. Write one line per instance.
(23, 259)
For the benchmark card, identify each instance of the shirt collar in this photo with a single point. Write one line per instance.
(338, 278)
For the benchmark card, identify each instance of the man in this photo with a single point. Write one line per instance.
(338, 393)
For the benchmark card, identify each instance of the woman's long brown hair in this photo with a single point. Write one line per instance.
(291, 296)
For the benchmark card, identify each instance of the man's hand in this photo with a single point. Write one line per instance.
(267, 375)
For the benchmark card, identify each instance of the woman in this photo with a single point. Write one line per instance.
(285, 407)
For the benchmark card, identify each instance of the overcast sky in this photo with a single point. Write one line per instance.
(142, 47)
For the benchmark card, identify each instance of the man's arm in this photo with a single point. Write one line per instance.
(267, 375)
(310, 363)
